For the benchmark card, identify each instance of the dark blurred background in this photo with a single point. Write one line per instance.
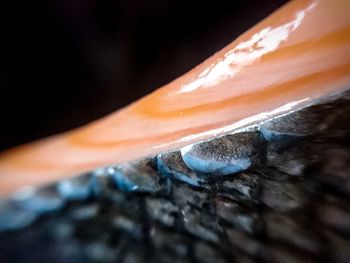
(64, 63)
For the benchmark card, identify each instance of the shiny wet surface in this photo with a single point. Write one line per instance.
(290, 204)
(288, 61)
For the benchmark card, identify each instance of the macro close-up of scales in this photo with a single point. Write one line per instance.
(245, 158)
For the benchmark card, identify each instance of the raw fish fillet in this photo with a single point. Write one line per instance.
(292, 59)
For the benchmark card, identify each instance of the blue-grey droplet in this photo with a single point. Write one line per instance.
(225, 155)
(101, 181)
(38, 200)
(136, 177)
(76, 188)
(171, 165)
(14, 218)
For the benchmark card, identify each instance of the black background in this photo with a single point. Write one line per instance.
(64, 63)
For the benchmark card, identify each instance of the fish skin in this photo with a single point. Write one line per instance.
(291, 59)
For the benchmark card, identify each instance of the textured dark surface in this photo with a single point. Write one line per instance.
(291, 206)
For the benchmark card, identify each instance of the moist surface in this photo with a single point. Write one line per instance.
(278, 192)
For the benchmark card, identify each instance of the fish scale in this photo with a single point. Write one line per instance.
(268, 212)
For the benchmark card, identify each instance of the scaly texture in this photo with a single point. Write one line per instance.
(291, 206)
